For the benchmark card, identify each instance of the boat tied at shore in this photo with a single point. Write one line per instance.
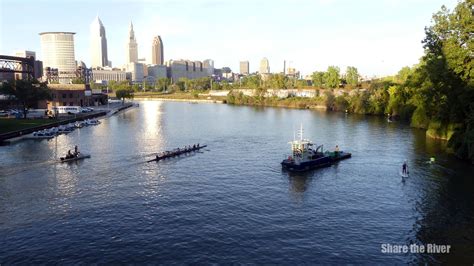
(303, 157)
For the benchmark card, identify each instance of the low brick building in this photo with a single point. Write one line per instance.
(68, 95)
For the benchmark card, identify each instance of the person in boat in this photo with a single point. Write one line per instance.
(69, 155)
(76, 151)
(336, 151)
(194, 146)
(198, 145)
(405, 167)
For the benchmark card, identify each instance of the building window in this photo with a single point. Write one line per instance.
(70, 95)
(64, 95)
(71, 103)
(64, 103)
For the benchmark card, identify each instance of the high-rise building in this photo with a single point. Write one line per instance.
(264, 66)
(208, 66)
(244, 67)
(98, 45)
(58, 52)
(157, 56)
(132, 49)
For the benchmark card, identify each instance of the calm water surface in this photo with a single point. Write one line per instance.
(232, 202)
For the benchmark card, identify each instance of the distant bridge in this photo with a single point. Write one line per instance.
(14, 64)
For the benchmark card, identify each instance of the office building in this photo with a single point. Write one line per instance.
(244, 67)
(157, 57)
(58, 52)
(264, 66)
(98, 45)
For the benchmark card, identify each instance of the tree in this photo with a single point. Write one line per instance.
(318, 79)
(331, 77)
(27, 93)
(444, 84)
(277, 81)
(352, 76)
(252, 82)
(78, 81)
(124, 94)
(162, 84)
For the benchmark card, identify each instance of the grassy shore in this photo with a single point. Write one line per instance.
(9, 125)
(178, 96)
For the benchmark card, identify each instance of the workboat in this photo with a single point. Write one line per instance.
(176, 152)
(80, 156)
(304, 157)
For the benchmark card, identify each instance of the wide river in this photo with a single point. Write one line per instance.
(232, 202)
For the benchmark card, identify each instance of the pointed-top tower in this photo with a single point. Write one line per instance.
(98, 45)
(132, 50)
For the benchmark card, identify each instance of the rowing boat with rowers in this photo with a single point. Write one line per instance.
(176, 152)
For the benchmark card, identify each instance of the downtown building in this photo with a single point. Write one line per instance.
(244, 67)
(157, 56)
(264, 66)
(98, 44)
(58, 54)
(132, 47)
(186, 69)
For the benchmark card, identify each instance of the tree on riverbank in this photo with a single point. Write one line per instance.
(124, 94)
(332, 77)
(26, 93)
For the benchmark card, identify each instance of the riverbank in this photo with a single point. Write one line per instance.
(15, 135)
(179, 97)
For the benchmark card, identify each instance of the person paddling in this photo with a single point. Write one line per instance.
(405, 168)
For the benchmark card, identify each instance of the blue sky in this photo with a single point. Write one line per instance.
(376, 36)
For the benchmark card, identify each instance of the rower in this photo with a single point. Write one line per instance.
(194, 146)
(76, 152)
(336, 151)
(198, 145)
(69, 154)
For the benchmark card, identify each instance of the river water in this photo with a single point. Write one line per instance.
(232, 202)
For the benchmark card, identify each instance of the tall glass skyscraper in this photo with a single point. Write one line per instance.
(157, 57)
(98, 45)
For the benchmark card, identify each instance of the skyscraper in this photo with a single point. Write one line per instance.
(98, 45)
(57, 49)
(157, 56)
(244, 67)
(132, 50)
(264, 66)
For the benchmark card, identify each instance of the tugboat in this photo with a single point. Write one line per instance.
(304, 157)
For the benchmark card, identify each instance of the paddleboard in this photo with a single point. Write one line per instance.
(403, 175)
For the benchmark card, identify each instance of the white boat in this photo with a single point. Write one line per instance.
(79, 124)
(92, 122)
(64, 129)
(42, 134)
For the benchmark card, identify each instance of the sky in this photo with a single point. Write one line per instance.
(378, 37)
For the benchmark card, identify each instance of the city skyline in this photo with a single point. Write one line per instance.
(377, 37)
